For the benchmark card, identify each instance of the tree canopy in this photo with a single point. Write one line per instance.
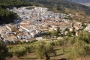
(7, 16)
(4, 51)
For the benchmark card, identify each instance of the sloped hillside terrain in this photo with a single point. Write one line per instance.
(81, 11)
(83, 2)
(62, 5)
(80, 1)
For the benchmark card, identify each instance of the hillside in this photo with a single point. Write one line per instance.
(80, 1)
(61, 5)
(81, 11)
(87, 4)
(83, 2)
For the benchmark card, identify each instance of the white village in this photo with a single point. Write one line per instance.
(33, 22)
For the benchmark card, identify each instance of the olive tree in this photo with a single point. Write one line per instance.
(84, 36)
(44, 49)
(78, 51)
(18, 51)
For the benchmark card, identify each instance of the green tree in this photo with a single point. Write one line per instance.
(84, 36)
(44, 50)
(4, 51)
(18, 51)
(78, 51)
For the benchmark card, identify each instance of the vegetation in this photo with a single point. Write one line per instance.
(13, 3)
(71, 46)
(4, 51)
(44, 50)
(7, 16)
(41, 48)
(21, 51)
(80, 46)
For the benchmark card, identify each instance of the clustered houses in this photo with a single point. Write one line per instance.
(34, 22)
